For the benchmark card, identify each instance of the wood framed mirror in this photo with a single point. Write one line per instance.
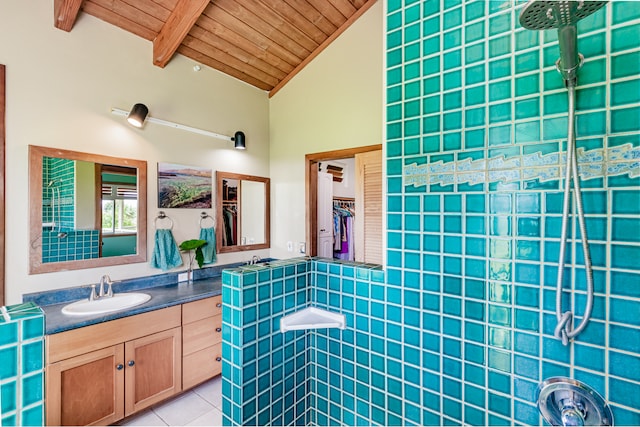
(86, 210)
(243, 212)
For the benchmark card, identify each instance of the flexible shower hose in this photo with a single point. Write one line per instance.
(564, 329)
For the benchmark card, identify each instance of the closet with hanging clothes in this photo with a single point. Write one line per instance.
(348, 200)
(343, 228)
(230, 212)
(336, 210)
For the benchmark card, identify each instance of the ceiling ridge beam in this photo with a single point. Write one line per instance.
(173, 32)
(65, 13)
(323, 46)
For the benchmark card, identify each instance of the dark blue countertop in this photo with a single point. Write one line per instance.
(164, 289)
(161, 297)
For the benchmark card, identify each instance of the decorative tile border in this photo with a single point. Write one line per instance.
(597, 163)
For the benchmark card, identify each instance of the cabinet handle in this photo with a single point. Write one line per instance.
(131, 363)
(119, 366)
(219, 304)
(218, 359)
(218, 329)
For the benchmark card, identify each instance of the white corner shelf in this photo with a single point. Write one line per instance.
(312, 318)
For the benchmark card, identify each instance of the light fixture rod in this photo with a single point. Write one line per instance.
(120, 112)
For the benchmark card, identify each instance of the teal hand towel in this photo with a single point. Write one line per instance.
(166, 254)
(208, 250)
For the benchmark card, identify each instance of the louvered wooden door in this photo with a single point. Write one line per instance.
(368, 224)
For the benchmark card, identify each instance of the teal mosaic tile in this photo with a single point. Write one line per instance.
(622, 38)
(625, 65)
(474, 74)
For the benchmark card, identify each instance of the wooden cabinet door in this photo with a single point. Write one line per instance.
(86, 389)
(153, 369)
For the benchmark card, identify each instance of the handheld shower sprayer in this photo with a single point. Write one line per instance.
(563, 15)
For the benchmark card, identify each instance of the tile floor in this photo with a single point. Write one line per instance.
(200, 406)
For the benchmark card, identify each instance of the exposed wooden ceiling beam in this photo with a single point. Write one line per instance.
(173, 32)
(324, 45)
(65, 13)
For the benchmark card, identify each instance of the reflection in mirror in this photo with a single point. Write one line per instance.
(86, 210)
(243, 212)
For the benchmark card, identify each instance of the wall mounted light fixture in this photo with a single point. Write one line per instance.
(238, 138)
(140, 113)
(137, 115)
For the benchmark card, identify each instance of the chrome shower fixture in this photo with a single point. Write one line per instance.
(568, 402)
(563, 15)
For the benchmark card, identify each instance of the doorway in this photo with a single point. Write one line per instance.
(312, 162)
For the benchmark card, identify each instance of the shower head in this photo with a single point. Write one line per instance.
(563, 15)
(545, 14)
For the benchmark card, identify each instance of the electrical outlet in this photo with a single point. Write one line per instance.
(183, 277)
(290, 246)
(302, 247)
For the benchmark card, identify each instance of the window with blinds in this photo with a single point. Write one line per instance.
(119, 208)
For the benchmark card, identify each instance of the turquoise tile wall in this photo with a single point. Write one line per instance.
(364, 375)
(21, 365)
(265, 373)
(476, 130)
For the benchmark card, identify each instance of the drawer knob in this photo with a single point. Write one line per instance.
(219, 304)
(218, 329)
(218, 359)
(131, 363)
(119, 366)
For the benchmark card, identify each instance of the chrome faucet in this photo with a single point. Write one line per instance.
(105, 279)
(254, 260)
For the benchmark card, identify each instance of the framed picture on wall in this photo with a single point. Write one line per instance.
(182, 186)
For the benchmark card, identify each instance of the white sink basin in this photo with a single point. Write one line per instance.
(105, 304)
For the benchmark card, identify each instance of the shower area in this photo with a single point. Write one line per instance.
(505, 299)
(513, 132)
(61, 241)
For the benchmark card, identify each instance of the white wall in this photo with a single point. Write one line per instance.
(60, 88)
(335, 102)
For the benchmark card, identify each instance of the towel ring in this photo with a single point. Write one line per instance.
(161, 216)
(204, 216)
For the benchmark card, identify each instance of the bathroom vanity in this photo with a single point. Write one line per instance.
(102, 370)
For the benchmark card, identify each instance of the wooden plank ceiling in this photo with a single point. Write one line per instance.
(261, 42)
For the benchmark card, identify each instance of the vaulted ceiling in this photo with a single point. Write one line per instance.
(261, 42)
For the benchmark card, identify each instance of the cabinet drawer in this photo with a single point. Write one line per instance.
(201, 365)
(83, 340)
(201, 334)
(198, 310)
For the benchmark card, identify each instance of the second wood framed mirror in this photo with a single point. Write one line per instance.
(243, 212)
